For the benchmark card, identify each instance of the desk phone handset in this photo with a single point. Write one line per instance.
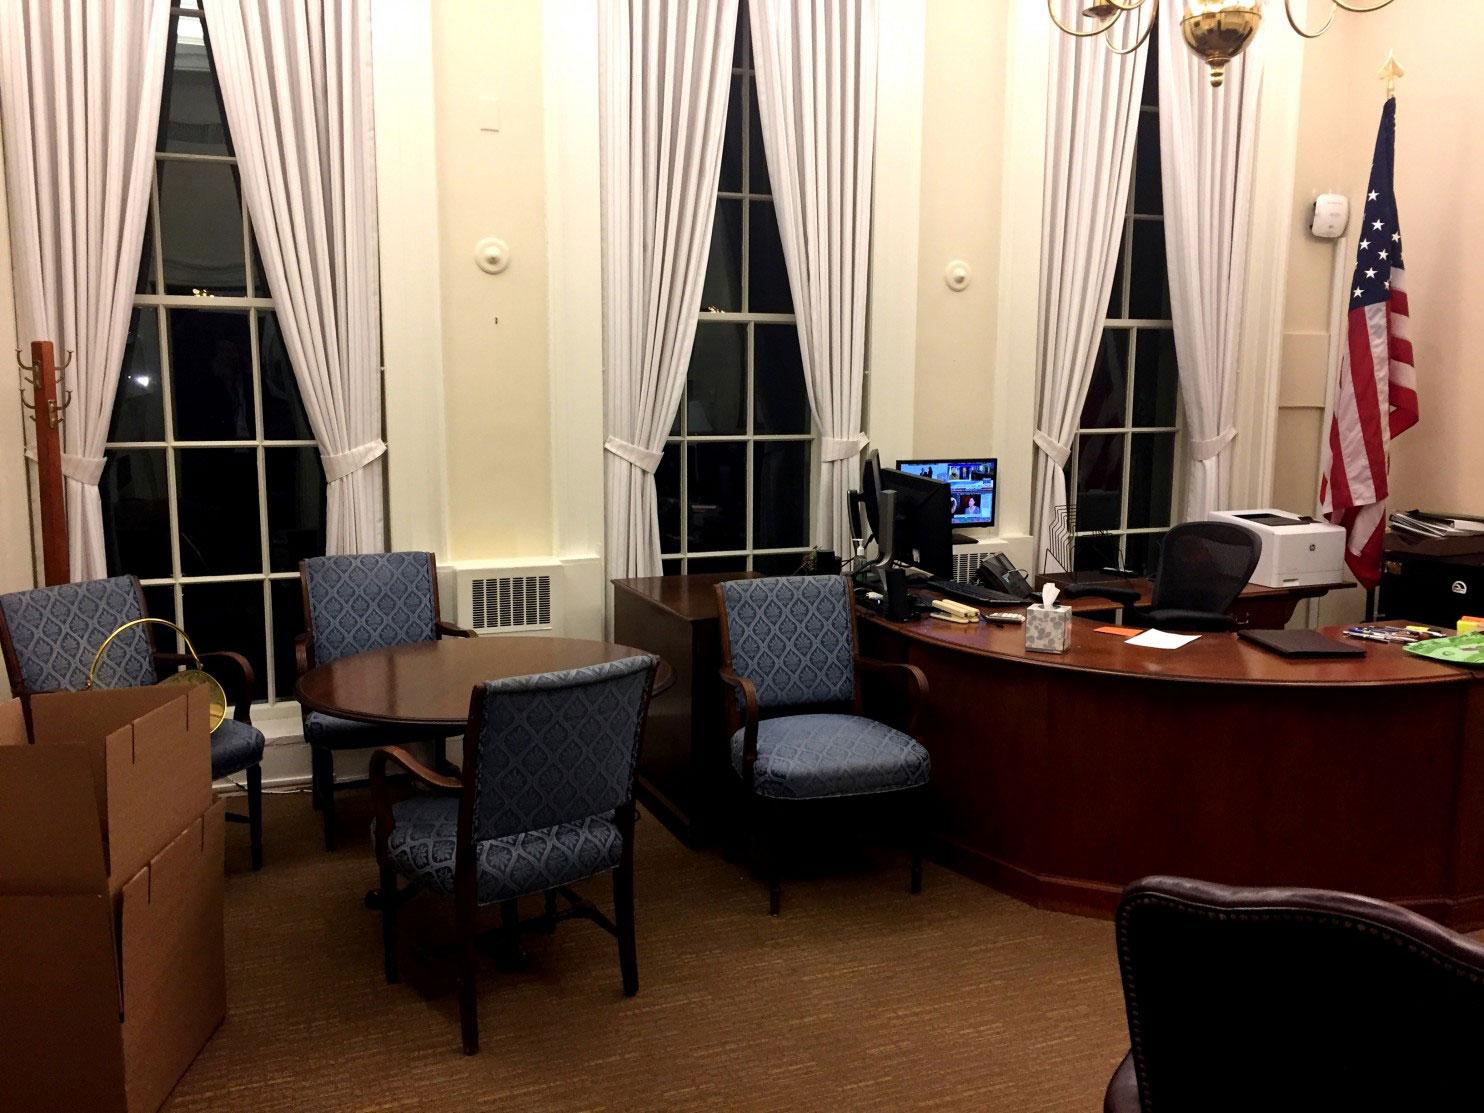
(998, 574)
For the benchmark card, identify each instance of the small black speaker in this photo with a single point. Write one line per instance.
(898, 601)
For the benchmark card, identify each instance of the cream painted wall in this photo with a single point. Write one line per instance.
(495, 328)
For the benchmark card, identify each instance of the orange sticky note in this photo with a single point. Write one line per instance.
(1121, 631)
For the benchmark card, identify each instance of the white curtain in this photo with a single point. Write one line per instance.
(1091, 123)
(80, 88)
(816, 82)
(296, 84)
(665, 75)
(1208, 149)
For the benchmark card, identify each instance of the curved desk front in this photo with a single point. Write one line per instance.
(1061, 778)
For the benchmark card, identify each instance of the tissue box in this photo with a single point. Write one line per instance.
(1048, 629)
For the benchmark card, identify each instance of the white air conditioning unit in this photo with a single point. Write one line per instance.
(508, 597)
(967, 558)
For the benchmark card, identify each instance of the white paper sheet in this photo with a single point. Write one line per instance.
(1159, 639)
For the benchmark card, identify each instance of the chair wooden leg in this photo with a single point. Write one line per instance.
(389, 904)
(623, 914)
(255, 814)
(550, 911)
(327, 795)
(468, 991)
(316, 777)
(772, 839)
(917, 832)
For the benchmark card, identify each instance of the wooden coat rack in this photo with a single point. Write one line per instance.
(43, 377)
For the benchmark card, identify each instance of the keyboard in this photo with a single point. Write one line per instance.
(973, 594)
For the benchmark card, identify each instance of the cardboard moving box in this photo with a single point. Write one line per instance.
(111, 879)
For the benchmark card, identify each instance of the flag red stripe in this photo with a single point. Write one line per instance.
(1399, 302)
(1363, 383)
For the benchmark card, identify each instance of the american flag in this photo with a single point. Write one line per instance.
(1376, 392)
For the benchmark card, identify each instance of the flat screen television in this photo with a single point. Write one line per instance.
(971, 483)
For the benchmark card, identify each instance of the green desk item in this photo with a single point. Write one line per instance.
(1464, 649)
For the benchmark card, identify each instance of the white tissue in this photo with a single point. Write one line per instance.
(1049, 592)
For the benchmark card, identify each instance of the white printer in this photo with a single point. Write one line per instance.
(1296, 551)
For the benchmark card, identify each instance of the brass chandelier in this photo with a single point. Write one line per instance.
(1217, 30)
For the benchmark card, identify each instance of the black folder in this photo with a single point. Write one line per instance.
(1300, 643)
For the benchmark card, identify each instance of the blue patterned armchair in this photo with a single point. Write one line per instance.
(353, 604)
(49, 635)
(798, 734)
(545, 798)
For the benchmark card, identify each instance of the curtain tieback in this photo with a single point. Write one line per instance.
(81, 469)
(340, 464)
(646, 461)
(1058, 452)
(832, 449)
(1214, 447)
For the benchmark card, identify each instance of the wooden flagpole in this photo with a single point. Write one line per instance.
(46, 412)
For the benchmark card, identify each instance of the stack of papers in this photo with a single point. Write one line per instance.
(1160, 639)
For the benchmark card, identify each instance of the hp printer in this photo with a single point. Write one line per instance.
(1296, 551)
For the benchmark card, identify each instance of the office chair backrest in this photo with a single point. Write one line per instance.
(792, 637)
(49, 636)
(555, 748)
(368, 601)
(1296, 999)
(1203, 566)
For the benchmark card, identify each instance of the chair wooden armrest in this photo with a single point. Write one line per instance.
(303, 653)
(237, 678)
(748, 692)
(453, 630)
(909, 677)
(381, 789)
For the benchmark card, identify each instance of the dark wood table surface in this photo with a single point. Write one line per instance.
(428, 684)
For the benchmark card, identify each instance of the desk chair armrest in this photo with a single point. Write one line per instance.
(748, 693)
(451, 630)
(303, 653)
(909, 678)
(1123, 596)
(1197, 621)
(381, 795)
(231, 670)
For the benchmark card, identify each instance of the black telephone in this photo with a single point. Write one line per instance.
(998, 574)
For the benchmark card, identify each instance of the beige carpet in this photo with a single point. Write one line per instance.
(858, 997)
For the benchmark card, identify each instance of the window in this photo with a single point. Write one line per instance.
(1122, 473)
(213, 490)
(735, 486)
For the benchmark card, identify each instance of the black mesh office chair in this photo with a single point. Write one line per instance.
(1202, 568)
(1293, 999)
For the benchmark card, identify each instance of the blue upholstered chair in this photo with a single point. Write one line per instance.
(545, 798)
(353, 604)
(49, 636)
(789, 653)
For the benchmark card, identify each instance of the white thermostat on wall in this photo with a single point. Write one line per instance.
(1331, 215)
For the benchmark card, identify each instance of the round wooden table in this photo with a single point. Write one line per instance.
(428, 684)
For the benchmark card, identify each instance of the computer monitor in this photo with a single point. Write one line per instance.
(972, 483)
(922, 533)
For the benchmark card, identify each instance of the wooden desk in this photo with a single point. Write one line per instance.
(1258, 607)
(1060, 778)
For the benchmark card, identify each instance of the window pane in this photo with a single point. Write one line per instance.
(217, 493)
(159, 602)
(201, 229)
(1117, 310)
(136, 512)
(1148, 191)
(667, 487)
(191, 113)
(1149, 292)
(145, 283)
(1141, 552)
(757, 167)
(767, 276)
(1099, 481)
(717, 493)
(1107, 394)
(211, 374)
(1097, 553)
(1155, 378)
(1151, 479)
(138, 406)
(780, 494)
(731, 142)
(778, 380)
(718, 564)
(778, 564)
(296, 506)
(716, 398)
(288, 624)
(259, 278)
(228, 617)
(673, 567)
(723, 287)
(284, 418)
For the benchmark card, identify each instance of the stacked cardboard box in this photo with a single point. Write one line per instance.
(113, 974)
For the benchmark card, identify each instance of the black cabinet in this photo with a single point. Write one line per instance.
(1436, 581)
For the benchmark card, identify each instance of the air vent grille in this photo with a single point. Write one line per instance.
(511, 602)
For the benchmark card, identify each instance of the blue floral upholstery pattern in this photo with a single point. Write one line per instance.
(56, 631)
(423, 845)
(559, 747)
(333, 733)
(806, 757)
(234, 747)
(790, 636)
(369, 601)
